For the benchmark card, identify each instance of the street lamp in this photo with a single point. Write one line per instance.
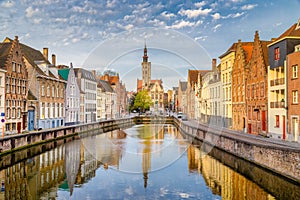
(282, 104)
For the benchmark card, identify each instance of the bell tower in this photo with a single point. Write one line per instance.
(146, 70)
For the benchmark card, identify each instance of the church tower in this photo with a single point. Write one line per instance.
(146, 70)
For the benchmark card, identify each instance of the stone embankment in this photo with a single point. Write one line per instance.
(16, 142)
(281, 157)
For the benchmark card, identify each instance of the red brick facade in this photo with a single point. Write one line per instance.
(239, 74)
(256, 88)
(293, 106)
(16, 83)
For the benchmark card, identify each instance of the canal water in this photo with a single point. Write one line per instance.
(142, 162)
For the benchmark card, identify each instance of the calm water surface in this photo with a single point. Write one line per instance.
(143, 162)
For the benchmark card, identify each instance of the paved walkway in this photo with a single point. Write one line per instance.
(258, 139)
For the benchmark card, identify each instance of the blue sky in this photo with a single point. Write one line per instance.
(76, 29)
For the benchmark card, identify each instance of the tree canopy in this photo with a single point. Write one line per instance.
(142, 101)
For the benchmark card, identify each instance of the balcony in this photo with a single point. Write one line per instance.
(277, 104)
(279, 81)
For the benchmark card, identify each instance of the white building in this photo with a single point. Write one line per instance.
(88, 85)
(106, 101)
(72, 96)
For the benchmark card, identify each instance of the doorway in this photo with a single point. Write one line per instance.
(295, 128)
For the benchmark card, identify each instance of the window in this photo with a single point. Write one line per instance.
(295, 71)
(13, 67)
(276, 53)
(277, 121)
(43, 90)
(48, 91)
(295, 97)
(53, 91)
(262, 89)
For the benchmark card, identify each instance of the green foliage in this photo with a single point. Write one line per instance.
(142, 101)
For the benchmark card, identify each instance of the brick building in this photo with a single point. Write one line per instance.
(293, 87)
(257, 88)
(277, 81)
(120, 90)
(16, 86)
(46, 96)
(239, 75)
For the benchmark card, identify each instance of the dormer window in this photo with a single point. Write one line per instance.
(276, 53)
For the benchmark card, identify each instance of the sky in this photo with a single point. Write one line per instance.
(111, 34)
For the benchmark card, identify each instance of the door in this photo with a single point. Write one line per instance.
(19, 127)
(295, 128)
(263, 121)
(283, 128)
(30, 120)
(249, 128)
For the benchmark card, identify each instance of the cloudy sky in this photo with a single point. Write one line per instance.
(99, 34)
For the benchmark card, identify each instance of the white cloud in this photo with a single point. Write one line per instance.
(237, 1)
(74, 40)
(249, 6)
(182, 24)
(213, 5)
(157, 23)
(30, 11)
(128, 27)
(167, 15)
(237, 15)
(8, 4)
(202, 38)
(216, 27)
(111, 4)
(61, 20)
(37, 21)
(128, 17)
(200, 4)
(194, 13)
(216, 16)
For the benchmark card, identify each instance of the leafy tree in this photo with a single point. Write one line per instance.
(142, 101)
(131, 102)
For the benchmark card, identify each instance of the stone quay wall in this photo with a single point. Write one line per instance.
(277, 156)
(16, 142)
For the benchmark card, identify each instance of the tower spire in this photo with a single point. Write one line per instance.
(145, 57)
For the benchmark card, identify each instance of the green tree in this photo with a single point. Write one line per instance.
(142, 101)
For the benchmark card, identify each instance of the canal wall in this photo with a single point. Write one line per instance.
(16, 142)
(278, 156)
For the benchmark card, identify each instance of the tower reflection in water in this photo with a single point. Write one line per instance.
(73, 164)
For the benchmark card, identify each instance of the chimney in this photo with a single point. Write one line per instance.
(45, 52)
(214, 64)
(94, 73)
(53, 59)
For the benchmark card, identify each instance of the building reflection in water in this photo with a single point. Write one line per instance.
(35, 178)
(222, 180)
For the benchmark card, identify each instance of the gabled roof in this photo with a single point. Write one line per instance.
(105, 86)
(292, 32)
(86, 74)
(193, 75)
(247, 47)
(64, 73)
(231, 49)
(4, 52)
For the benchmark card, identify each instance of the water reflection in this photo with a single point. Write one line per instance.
(222, 180)
(93, 168)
